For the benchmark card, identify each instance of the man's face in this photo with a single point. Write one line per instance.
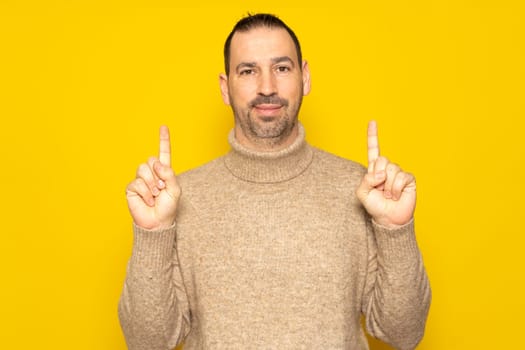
(265, 87)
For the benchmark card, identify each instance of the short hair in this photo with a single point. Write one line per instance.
(256, 21)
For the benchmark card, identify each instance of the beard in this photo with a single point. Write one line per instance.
(267, 131)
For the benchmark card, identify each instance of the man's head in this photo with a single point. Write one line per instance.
(265, 81)
(257, 21)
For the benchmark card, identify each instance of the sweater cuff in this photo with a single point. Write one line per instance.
(153, 248)
(400, 241)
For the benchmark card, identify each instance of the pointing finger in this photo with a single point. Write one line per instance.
(165, 146)
(373, 144)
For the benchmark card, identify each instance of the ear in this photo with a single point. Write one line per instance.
(223, 81)
(306, 78)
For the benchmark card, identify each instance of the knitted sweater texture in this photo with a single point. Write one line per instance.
(273, 251)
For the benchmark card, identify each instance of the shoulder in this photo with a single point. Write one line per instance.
(333, 174)
(201, 186)
(336, 178)
(333, 165)
(202, 174)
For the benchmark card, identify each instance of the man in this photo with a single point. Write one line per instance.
(276, 245)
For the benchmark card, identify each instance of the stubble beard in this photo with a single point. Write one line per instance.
(267, 132)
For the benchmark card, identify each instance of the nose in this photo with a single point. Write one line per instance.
(267, 84)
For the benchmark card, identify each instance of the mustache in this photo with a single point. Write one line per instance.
(272, 100)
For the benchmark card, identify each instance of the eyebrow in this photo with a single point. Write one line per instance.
(283, 59)
(245, 65)
(274, 61)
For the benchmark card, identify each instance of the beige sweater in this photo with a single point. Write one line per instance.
(273, 251)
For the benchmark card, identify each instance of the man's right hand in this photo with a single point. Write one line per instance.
(154, 194)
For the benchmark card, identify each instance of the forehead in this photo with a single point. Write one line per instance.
(261, 44)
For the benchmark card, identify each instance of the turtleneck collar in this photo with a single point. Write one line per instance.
(269, 167)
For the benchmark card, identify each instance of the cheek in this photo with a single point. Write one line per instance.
(292, 92)
(291, 87)
(242, 92)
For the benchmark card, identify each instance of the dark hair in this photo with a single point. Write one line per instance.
(256, 21)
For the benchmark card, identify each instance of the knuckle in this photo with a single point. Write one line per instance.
(400, 180)
(144, 172)
(152, 161)
(142, 185)
(130, 187)
(392, 168)
(142, 169)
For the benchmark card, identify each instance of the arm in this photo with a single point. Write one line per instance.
(153, 308)
(397, 293)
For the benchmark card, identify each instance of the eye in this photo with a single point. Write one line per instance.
(283, 69)
(247, 71)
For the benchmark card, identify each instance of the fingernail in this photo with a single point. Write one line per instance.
(161, 184)
(155, 191)
(387, 194)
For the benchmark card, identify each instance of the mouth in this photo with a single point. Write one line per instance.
(268, 109)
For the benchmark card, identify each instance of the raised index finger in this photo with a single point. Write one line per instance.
(373, 144)
(165, 146)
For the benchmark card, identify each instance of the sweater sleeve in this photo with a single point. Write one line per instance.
(397, 291)
(153, 308)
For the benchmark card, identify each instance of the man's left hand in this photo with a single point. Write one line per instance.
(387, 193)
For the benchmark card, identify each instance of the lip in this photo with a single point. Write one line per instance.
(268, 110)
(265, 106)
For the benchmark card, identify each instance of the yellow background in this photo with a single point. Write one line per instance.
(84, 87)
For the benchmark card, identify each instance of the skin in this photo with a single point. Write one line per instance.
(387, 193)
(265, 89)
(154, 194)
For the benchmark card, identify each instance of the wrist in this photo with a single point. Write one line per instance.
(386, 224)
(156, 227)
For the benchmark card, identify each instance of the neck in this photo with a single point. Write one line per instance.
(266, 144)
(269, 166)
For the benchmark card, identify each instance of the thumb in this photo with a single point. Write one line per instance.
(369, 182)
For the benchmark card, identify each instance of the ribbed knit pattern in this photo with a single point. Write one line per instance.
(273, 251)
